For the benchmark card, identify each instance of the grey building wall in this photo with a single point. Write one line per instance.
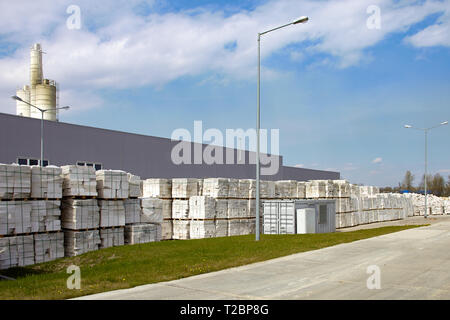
(146, 156)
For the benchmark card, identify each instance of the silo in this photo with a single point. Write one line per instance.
(36, 75)
(36, 65)
(23, 109)
(46, 99)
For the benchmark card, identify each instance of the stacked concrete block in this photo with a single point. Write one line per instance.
(167, 230)
(202, 207)
(239, 227)
(238, 208)
(45, 215)
(78, 214)
(199, 187)
(180, 209)
(142, 233)
(184, 188)
(157, 188)
(112, 213)
(200, 229)
(221, 228)
(111, 237)
(134, 186)
(355, 190)
(15, 181)
(343, 205)
(15, 217)
(343, 188)
(112, 184)
(80, 242)
(17, 251)
(251, 211)
(435, 204)
(316, 189)
(166, 205)
(216, 187)
(181, 229)
(234, 227)
(48, 246)
(244, 189)
(267, 189)
(46, 182)
(166, 225)
(252, 189)
(446, 205)
(332, 189)
(132, 210)
(152, 210)
(233, 188)
(221, 208)
(79, 181)
(286, 189)
(301, 190)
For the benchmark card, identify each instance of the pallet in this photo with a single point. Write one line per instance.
(48, 232)
(16, 235)
(18, 199)
(111, 228)
(80, 230)
(45, 199)
(79, 197)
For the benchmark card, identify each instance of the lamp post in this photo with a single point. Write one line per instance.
(303, 19)
(425, 130)
(42, 122)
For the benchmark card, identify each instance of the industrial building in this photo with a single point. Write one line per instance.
(146, 156)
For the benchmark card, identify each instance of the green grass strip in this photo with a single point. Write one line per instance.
(134, 265)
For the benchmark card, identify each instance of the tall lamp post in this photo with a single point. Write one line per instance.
(425, 130)
(42, 122)
(303, 19)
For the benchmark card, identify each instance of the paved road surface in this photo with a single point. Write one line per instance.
(413, 264)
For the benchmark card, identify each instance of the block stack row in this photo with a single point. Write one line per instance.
(156, 206)
(357, 205)
(80, 213)
(436, 205)
(214, 207)
(30, 225)
(113, 187)
(182, 191)
(446, 206)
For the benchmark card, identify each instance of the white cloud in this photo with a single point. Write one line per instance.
(377, 160)
(435, 35)
(299, 166)
(120, 48)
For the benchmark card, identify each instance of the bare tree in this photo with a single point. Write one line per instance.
(429, 183)
(408, 180)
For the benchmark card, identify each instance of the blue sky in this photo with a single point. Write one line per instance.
(339, 91)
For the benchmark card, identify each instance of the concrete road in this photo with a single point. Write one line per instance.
(413, 264)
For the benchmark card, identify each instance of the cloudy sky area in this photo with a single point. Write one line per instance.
(338, 90)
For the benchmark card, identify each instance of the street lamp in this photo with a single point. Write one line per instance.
(42, 122)
(407, 126)
(302, 19)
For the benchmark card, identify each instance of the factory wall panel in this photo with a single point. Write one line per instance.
(146, 156)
